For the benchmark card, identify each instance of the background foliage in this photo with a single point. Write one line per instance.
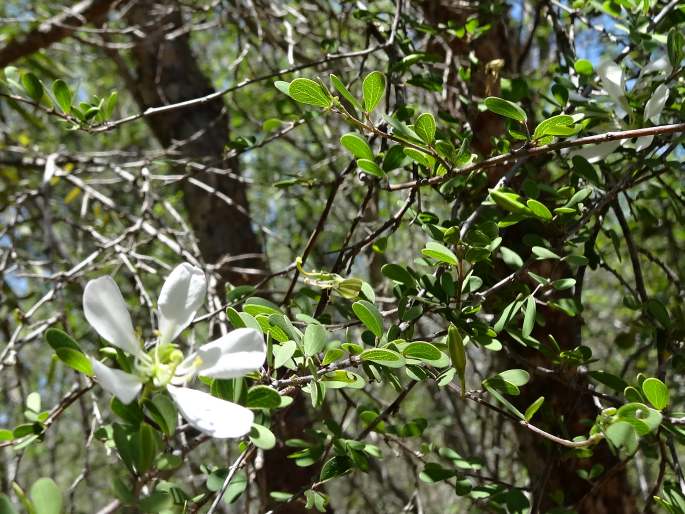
(457, 224)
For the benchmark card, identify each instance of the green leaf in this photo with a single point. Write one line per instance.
(163, 412)
(656, 392)
(6, 505)
(383, 357)
(421, 158)
(370, 167)
(33, 402)
(659, 311)
(357, 146)
(564, 283)
(455, 347)
(608, 379)
(262, 397)
(341, 378)
(425, 127)
(349, 288)
(518, 377)
(145, 447)
(643, 419)
(75, 360)
(369, 315)
(440, 253)
(434, 472)
(507, 201)
(62, 95)
(32, 86)
(340, 88)
(583, 67)
(505, 108)
(283, 353)
(283, 86)
(335, 467)
(622, 435)
(533, 408)
(373, 88)
(68, 351)
(332, 355)
(110, 104)
(394, 158)
(58, 339)
(398, 274)
(46, 496)
(539, 209)
(543, 253)
(315, 337)
(510, 257)
(262, 437)
(236, 487)
(529, 317)
(555, 126)
(496, 394)
(423, 351)
(308, 92)
(675, 45)
(315, 500)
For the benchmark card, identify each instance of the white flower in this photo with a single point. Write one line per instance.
(614, 83)
(656, 104)
(596, 153)
(230, 356)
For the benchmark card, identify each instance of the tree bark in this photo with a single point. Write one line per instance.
(168, 72)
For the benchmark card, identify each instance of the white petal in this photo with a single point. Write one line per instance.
(182, 295)
(660, 64)
(213, 416)
(656, 104)
(119, 383)
(595, 153)
(643, 142)
(238, 352)
(613, 81)
(105, 310)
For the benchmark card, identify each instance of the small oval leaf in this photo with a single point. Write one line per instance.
(373, 88)
(309, 92)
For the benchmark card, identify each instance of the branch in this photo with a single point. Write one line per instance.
(511, 157)
(54, 29)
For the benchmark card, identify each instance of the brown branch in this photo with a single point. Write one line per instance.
(55, 29)
(511, 157)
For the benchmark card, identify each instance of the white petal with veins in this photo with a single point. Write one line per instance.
(119, 383)
(210, 415)
(182, 295)
(233, 355)
(105, 310)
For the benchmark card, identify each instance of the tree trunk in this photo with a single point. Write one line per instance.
(167, 72)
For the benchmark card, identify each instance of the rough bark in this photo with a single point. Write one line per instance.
(569, 405)
(167, 72)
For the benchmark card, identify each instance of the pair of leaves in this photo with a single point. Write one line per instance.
(310, 92)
